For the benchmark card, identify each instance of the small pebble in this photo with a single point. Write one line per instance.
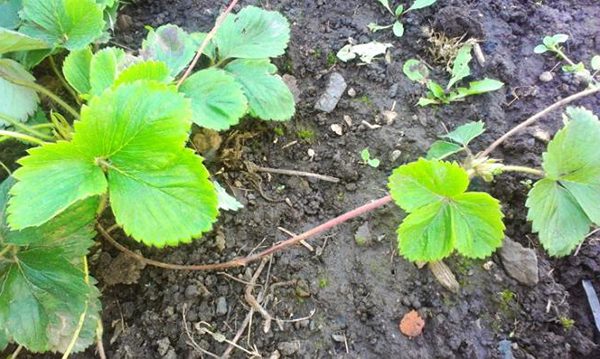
(191, 291)
(351, 92)
(221, 306)
(546, 76)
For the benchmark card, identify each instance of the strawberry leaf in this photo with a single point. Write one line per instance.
(268, 96)
(145, 70)
(9, 19)
(76, 69)
(218, 101)
(466, 133)
(43, 290)
(564, 204)
(442, 216)
(253, 33)
(11, 41)
(171, 45)
(72, 24)
(442, 149)
(104, 69)
(16, 101)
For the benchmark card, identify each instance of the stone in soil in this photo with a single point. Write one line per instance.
(221, 306)
(519, 262)
(334, 91)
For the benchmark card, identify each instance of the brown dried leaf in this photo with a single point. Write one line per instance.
(412, 324)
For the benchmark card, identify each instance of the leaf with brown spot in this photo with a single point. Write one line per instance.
(412, 324)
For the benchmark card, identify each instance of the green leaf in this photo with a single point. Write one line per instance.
(373, 162)
(540, 49)
(564, 204)
(595, 62)
(171, 45)
(11, 41)
(386, 4)
(145, 70)
(398, 29)
(30, 59)
(43, 287)
(52, 178)
(3, 339)
(460, 67)
(476, 88)
(399, 10)
(253, 33)
(423, 101)
(365, 155)
(76, 69)
(226, 201)
(442, 149)
(554, 40)
(218, 101)
(464, 134)
(442, 216)
(415, 70)
(104, 69)
(268, 96)
(16, 101)
(167, 206)
(436, 90)
(419, 4)
(72, 24)
(9, 19)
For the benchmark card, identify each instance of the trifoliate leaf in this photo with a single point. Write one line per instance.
(9, 19)
(460, 66)
(415, 70)
(562, 206)
(398, 29)
(268, 96)
(171, 45)
(166, 206)
(442, 149)
(104, 69)
(17, 102)
(253, 33)
(419, 4)
(76, 69)
(72, 24)
(226, 201)
(52, 178)
(11, 41)
(464, 134)
(145, 70)
(442, 216)
(218, 101)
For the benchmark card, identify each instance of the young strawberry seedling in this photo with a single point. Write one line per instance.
(367, 160)
(397, 26)
(125, 150)
(552, 44)
(416, 71)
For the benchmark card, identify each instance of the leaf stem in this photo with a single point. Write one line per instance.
(86, 278)
(22, 136)
(536, 117)
(243, 261)
(24, 127)
(63, 81)
(562, 55)
(41, 89)
(523, 169)
(205, 42)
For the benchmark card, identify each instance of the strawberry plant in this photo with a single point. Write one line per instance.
(416, 71)
(552, 44)
(125, 150)
(398, 12)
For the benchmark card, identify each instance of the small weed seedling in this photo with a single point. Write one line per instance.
(397, 26)
(552, 44)
(367, 160)
(416, 71)
(125, 149)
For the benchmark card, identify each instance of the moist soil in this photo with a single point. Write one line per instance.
(353, 295)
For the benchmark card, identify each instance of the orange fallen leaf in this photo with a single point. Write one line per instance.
(412, 324)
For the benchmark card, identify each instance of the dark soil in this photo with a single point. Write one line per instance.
(359, 293)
